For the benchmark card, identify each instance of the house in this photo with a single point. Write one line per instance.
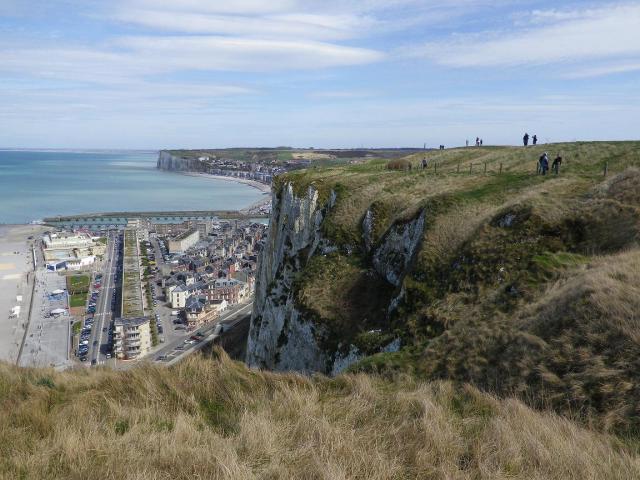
(178, 295)
(231, 290)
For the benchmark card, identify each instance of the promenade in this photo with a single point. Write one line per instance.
(16, 283)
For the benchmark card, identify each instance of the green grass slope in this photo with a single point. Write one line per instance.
(215, 419)
(523, 285)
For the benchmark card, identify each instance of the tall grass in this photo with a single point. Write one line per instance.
(216, 419)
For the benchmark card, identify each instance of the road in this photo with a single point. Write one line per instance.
(177, 350)
(104, 313)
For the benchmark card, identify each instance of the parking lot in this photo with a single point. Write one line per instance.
(47, 342)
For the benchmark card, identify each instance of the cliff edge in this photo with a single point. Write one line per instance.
(474, 269)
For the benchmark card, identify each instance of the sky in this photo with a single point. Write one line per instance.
(154, 74)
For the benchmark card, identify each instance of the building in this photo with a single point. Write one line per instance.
(71, 251)
(67, 241)
(131, 338)
(178, 296)
(141, 226)
(184, 241)
(199, 311)
(231, 290)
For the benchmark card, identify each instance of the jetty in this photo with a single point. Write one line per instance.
(121, 219)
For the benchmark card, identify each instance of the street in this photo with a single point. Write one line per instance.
(104, 312)
(178, 350)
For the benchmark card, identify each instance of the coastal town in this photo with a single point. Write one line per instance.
(117, 288)
(147, 291)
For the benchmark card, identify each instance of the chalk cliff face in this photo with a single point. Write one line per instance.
(284, 336)
(172, 163)
(280, 337)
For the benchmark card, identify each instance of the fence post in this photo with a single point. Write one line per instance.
(470, 168)
(435, 167)
(500, 168)
(485, 168)
(606, 168)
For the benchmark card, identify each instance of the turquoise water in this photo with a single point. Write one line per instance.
(35, 184)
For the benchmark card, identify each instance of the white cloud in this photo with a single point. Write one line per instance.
(288, 25)
(133, 57)
(604, 33)
(244, 54)
(605, 69)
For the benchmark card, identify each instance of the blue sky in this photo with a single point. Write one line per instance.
(322, 73)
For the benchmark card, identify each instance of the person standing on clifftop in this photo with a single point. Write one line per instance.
(555, 166)
(535, 140)
(525, 139)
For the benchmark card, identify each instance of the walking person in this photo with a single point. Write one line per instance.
(543, 164)
(525, 139)
(555, 166)
(535, 140)
(477, 141)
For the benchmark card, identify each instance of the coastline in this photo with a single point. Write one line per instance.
(16, 281)
(264, 188)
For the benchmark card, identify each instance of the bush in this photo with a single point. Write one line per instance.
(400, 164)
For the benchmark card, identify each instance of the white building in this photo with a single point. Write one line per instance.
(131, 338)
(178, 295)
(67, 240)
(184, 241)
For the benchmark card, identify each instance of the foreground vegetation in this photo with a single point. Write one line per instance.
(214, 418)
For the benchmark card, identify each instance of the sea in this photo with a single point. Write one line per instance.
(39, 184)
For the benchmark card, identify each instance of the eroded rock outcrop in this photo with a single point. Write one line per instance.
(284, 336)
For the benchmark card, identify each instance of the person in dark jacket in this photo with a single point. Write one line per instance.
(525, 139)
(535, 139)
(555, 166)
(543, 164)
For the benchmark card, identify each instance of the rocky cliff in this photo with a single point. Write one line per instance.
(518, 283)
(168, 161)
(285, 333)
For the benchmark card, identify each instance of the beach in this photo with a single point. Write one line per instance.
(16, 281)
(263, 187)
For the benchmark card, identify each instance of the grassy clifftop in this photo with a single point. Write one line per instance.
(523, 284)
(213, 418)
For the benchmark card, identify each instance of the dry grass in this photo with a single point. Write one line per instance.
(215, 419)
(575, 349)
(475, 279)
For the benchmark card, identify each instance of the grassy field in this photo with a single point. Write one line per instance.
(78, 283)
(78, 288)
(78, 300)
(503, 291)
(215, 419)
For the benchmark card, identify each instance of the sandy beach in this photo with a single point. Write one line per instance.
(260, 186)
(264, 188)
(16, 276)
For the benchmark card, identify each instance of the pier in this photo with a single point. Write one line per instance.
(120, 219)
